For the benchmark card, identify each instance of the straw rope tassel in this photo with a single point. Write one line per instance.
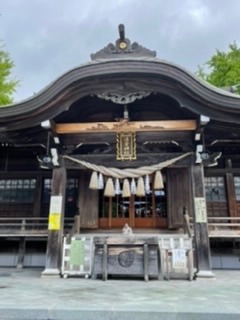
(158, 181)
(109, 188)
(117, 187)
(100, 181)
(133, 186)
(126, 189)
(94, 181)
(140, 187)
(147, 184)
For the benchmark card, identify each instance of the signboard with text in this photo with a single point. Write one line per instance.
(200, 210)
(179, 260)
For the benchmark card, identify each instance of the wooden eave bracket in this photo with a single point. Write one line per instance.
(199, 138)
(50, 126)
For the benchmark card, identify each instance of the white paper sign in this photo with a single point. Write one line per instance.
(200, 210)
(55, 204)
(179, 258)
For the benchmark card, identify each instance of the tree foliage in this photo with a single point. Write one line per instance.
(7, 85)
(223, 68)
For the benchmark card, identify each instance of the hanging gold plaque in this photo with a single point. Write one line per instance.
(126, 146)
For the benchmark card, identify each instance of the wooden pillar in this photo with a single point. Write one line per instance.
(202, 247)
(231, 196)
(56, 221)
(131, 211)
(37, 197)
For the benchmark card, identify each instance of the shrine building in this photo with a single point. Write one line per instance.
(127, 138)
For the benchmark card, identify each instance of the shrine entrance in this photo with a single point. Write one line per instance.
(149, 211)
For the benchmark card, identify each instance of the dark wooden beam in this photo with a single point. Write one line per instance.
(76, 139)
(220, 171)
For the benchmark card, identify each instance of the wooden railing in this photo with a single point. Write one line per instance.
(30, 225)
(221, 227)
(228, 221)
(218, 226)
(224, 227)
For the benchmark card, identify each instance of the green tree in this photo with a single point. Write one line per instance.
(223, 68)
(7, 85)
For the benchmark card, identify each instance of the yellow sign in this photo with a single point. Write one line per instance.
(54, 220)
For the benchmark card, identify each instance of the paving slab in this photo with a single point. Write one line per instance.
(25, 295)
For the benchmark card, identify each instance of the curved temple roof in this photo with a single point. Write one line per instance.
(124, 67)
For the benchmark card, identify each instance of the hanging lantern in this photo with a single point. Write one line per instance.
(109, 188)
(117, 187)
(126, 189)
(158, 181)
(133, 186)
(100, 181)
(147, 184)
(140, 187)
(94, 181)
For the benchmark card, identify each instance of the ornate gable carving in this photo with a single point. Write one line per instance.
(123, 98)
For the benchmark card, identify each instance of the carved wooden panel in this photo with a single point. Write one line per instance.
(94, 127)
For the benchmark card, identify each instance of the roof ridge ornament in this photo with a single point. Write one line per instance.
(123, 48)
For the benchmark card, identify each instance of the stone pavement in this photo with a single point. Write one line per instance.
(25, 295)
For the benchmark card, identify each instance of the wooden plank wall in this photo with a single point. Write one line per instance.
(179, 195)
(12, 210)
(87, 202)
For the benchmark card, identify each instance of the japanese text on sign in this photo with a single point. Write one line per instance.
(179, 258)
(200, 210)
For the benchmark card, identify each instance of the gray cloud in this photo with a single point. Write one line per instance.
(47, 38)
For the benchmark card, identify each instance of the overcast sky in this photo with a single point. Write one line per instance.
(46, 38)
